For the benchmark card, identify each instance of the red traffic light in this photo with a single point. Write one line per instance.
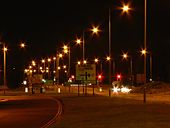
(118, 76)
(99, 77)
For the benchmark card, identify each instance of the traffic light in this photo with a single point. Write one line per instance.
(118, 77)
(99, 77)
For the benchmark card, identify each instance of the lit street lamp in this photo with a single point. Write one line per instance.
(22, 45)
(5, 84)
(145, 38)
(125, 9)
(94, 30)
(125, 56)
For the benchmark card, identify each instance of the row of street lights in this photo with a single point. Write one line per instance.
(5, 49)
(125, 9)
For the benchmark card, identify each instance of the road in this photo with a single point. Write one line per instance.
(28, 112)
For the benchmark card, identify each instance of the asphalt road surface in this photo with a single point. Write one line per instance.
(27, 112)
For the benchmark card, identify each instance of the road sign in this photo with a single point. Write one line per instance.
(86, 73)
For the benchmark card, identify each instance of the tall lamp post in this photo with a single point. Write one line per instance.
(49, 60)
(5, 84)
(94, 30)
(144, 90)
(125, 8)
(145, 38)
(44, 70)
(125, 56)
(67, 51)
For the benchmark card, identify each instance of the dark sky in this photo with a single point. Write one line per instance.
(46, 25)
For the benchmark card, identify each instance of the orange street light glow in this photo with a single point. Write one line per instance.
(96, 60)
(95, 30)
(78, 62)
(85, 62)
(78, 41)
(54, 58)
(43, 61)
(49, 60)
(65, 47)
(22, 45)
(5, 49)
(60, 55)
(125, 56)
(125, 8)
(143, 51)
(108, 58)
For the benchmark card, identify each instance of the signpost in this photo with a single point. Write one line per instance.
(86, 73)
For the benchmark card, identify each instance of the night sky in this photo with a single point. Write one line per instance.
(46, 25)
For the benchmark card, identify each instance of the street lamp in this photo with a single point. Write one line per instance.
(125, 56)
(5, 84)
(143, 52)
(49, 60)
(145, 31)
(67, 51)
(58, 57)
(22, 45)
(125, 9)
(94, 30)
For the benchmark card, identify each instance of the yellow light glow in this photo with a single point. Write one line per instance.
(64, 66)
(125, 8)
(26, 70)
(49, 60)
(22, 45)
(95, 30)
(65, 47)
(60, 55)
(96, 60)
(125, 56)
(85, 62)
(5, 49)
(78, 62)
(108, 58)
(54, 58)
(78, 41)
(43, 61)
(33, 63)
(65, 51)
(143, 51)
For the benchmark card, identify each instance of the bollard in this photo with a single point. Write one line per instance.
(59, 90)
(100, 89)
(26, 89)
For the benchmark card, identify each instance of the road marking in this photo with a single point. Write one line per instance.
(59, 112)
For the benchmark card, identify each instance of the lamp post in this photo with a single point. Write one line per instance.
(145, 38)
(125, 8)
(54, 70)
(125, 56)
(44, 70)
(5, 84)
(58, 57)
(67, 51)
(144, 90)
(150, 59)
(94, 30)
(49, 60)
